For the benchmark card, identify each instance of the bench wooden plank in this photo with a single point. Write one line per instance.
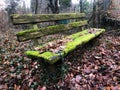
(35, 33)
(77, 39)
(37, 18)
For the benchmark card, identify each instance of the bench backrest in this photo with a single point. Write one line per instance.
(36, 32)
(37, 18)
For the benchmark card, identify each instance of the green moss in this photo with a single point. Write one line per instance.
(50, 57)
(47, 56)
(74, 24)
(34, 33)
(53, 28)
(26, 31)
(19, 15)
(76, 35)
(79, 40)
(70, 46)
(32, 53)
(14, 15)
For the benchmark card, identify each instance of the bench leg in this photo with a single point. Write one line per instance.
(52, 68)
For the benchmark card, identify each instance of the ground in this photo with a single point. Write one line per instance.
(94, 66)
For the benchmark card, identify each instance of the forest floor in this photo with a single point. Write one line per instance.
(94, 66)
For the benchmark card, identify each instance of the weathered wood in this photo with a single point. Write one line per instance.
(37, 18)
(35, 33)
(77, 39)
(35, 26)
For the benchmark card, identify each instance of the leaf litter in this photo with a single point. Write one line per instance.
(94, 66)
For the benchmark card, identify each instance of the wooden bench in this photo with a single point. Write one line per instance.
(52, 51)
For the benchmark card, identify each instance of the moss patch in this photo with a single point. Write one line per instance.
(47, 56)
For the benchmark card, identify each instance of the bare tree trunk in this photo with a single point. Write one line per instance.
(81, 6)
(36, 6)
(54, 6)
(94, 13)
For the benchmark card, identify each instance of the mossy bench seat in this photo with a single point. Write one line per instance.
(52, 54)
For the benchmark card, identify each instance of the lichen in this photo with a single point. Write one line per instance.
(37, 18)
